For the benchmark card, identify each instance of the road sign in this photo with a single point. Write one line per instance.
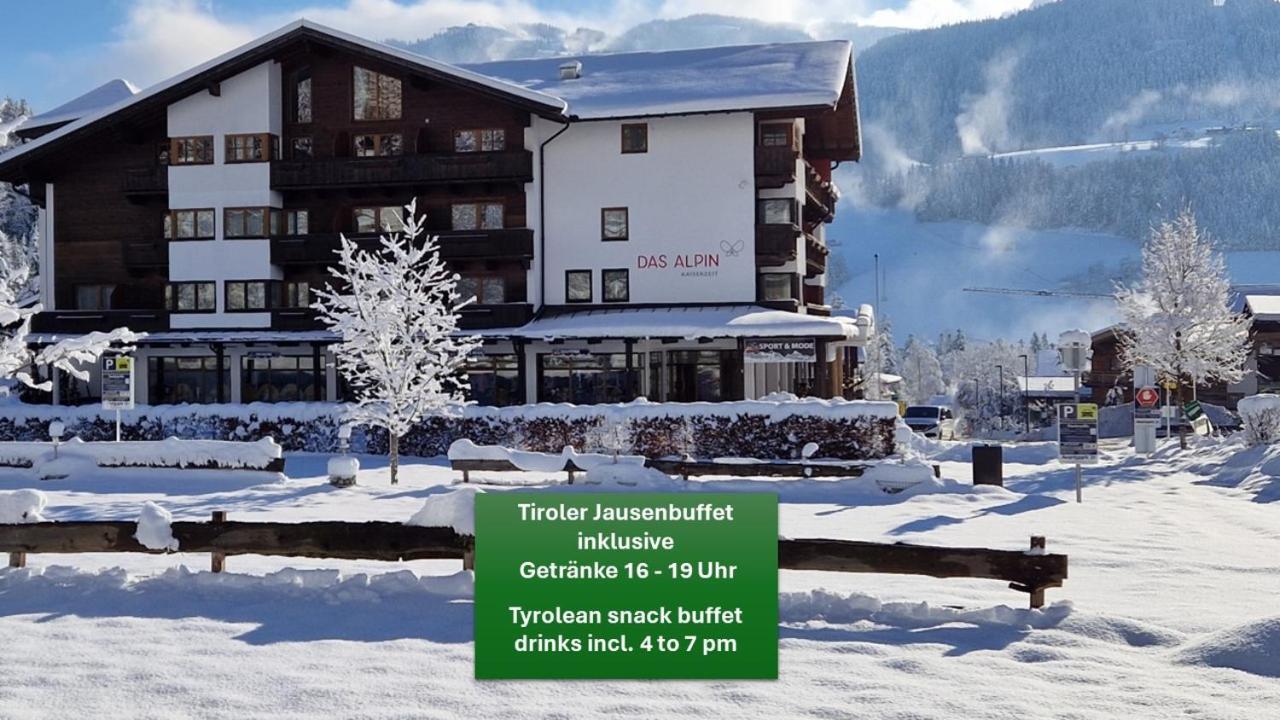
(1078, 433)
(117, 383)
(1146, 405)
(1193, 410)
(1147, 397)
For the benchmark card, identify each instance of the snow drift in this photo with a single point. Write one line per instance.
(1252, 647)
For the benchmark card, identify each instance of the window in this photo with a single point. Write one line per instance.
(244, 222)
(635, 138)
(191, 150)
(189, 225)
(614, 224)
(94, 297)
(281, 378)
(776, 211)
(296, 294)
(775, 135)
(382, 145)
(486, 289)
(776, 286)
(191, 297)
(481, 140)
(494, 380)
(616, 284)
(248, 295)
(699, 375)
(302, 96)
(174, 380)
(584, 379)
(378, 219)
(257, 147)
(376, 96)
(477, 216)
(302, 148)
(577, 286)
(293, 222)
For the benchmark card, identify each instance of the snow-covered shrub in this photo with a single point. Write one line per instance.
(1261, 417)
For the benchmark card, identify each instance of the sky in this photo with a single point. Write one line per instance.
(54, 50)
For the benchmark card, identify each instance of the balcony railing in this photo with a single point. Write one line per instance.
(776, 243)
(403, 170)
(147, 181)
(816, 252)
(775, 166)
(84, 321)
(819, 194)
(146, 254)
(507, 244)
(295, 319)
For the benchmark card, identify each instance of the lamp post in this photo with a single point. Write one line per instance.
(56, 430)
(1026, 382)
(1000, 371)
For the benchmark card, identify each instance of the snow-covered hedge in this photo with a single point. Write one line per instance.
(262, 454)
(764, 429)
(1260, 415)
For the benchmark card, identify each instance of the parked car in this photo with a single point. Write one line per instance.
(932, 421)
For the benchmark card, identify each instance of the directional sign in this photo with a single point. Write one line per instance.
(1146, 404)
(117, 383)
(1078, 433)
(1193, 410)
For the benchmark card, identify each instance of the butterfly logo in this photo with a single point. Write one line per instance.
(732, 249)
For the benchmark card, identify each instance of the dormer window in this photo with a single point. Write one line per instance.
(376, 96)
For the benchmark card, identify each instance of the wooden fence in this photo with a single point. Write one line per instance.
(1031, 571)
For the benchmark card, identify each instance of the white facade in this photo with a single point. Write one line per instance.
(690, 201)
(247, 103)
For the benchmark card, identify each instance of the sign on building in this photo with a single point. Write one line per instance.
(1078, 433)
(117, 383)
(759, 350)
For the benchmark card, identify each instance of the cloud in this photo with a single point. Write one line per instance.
(983, 123)
(1133, 111)
(931, 13)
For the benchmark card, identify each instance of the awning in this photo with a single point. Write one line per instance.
(692, 322)
(199, 337)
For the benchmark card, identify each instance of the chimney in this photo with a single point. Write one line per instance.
(571, 70)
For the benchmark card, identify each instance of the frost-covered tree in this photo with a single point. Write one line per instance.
(882, 359)
(1178, 318)
(396, 312)
(921, 372)
(978, 371)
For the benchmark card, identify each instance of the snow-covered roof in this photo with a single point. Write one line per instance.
(692, 322)
(1263, 307)
(717, 79)
(106, 94)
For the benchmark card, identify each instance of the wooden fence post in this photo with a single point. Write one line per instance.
(1037, 594)
(17, 559)
(218, 560)
(469, 558)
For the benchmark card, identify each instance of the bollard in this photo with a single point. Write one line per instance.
(988, 465)
(218, 561)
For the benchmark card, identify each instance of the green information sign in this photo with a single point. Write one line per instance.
(643, 586)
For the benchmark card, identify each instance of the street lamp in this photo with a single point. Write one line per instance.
(1026, 382)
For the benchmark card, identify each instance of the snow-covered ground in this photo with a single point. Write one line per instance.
(1174, 572)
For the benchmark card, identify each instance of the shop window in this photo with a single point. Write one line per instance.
(378, 145)
(373, 220)
(635, 138)
(776, 211)
(494, 380)
(699, 375)
(94, 297)
(616, 285)
(191, 150)
(191, 297)
(172, 380)
(486, 289)
(614, 224)
(189, 225)
(477, 216)
(480, 140)
(376, 96)
(577, 286)
(281, 378)
(585, 379)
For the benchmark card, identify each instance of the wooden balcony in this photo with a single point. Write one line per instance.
(425, 169)
(820, 196)
(146, 181)
(775, 166)
(816, 252)
(295, 319)
(480, 317)
(455, 245)
(776, 243)
(77, 322)
(148, 254)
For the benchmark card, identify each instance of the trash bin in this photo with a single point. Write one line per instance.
(988, 465)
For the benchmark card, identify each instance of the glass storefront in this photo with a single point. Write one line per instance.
(495, 380)
(173, 380)
(281, 378)
(700, 375)
(587, 378)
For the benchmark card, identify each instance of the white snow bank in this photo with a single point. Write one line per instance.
(172, 452)
(1253, 647)
(154, 530)
(454, 509)
(22, 506)
(630, 476)
(535, 461)
(837, 608)
(1260, 415)
(1029, 453)
(899, 476)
